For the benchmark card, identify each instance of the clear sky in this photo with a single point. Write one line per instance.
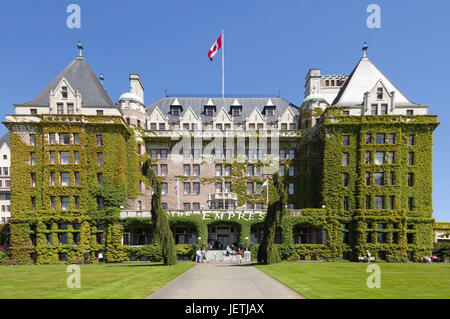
(269, 46)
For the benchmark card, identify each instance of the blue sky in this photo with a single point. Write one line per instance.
(270, 45)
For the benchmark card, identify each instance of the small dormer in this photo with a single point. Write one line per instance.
(64, 99)
(235, 108)
(176, 108)
(209, 108)
(269, 108)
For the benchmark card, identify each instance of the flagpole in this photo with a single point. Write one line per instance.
(267, 191)
(178, 193)
(223, 64)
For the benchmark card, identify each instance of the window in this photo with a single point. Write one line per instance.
(196, 153)
(410, 179)
(379, 158)
(291, 154)
(283, 126)
(175, 111)
(60, 108)
(52, 178)
(227, 170)
(345, 203)
(345, 179)
(76, 138)
(65, 179)
(346, 140)
(227, 187)
(368, 202)
(411, 158)
(33, 179)
(219, 187)
(100, 112)
(374, 109)
(383, 109)
(64, 158)
(368, 138)
(379, 93)
(410, 140)
(77, 204)
(187, 188)
(51, 138)
(291, 189)
(379, 178)
(153, 126)
(409, 112)
(291, 171)
(381, 239)
(70, 108)
(33, 111)
(346, 112)
(379, 202)
(391, 202)
(258, 188)
(32, 139)
(187, 206)
(235, 111)
(391, 157)
(64, 203)
(250, 170)
(392, 178)
(99, 140)
(162, 126)
(345, 159)
(163, 153)
(292, 126)
(209, 111)
(219, 127)
(228, 153)
(391, 138)
(52, 202)
(32, 158)
(33, 203)
(368, 177)
(99, 159)
(282, 168)
(187, 170)
(368, 159)
(410, 203)
(163, 188)
(64, 139)
(195, 205)
(218, 170)
(76, 157)
(380, 138)
(52, 157)
(64, 92)
(163, 170)
(99, 179)
(250, 188)
(218, 153)
(196, 188)
(282, 153)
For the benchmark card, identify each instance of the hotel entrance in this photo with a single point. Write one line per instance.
(222, 235)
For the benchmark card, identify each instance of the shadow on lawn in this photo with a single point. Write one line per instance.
(125, 265)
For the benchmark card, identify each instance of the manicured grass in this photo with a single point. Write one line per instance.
(348, 280)
(122, 281)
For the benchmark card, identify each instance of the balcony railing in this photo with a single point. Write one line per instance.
(222, 196)
(208, 213)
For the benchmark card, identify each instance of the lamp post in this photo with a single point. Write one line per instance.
(199, 239)
(246, 238)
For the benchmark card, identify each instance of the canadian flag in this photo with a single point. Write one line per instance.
(215, 47)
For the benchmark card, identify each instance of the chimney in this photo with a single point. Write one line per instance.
(312, 82)
(136, 86)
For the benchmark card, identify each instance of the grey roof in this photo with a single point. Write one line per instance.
(197, 104)
(363, 79)
(81, 78)
(4, 139)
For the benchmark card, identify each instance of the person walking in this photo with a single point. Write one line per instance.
(100, 257)
(368, 256)
(203, 255)
(198, 254)
(239, 253)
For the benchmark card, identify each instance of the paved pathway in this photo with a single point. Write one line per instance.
(224, 281)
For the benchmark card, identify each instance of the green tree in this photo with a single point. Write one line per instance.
(267, 251)
(161, 229)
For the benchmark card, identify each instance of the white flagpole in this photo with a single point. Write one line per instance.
(267, 191)
(223, 64)
(178, 193)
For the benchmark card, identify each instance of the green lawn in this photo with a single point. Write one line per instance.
(348, 280)
(123, 281)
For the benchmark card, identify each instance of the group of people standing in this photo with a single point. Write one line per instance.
(233, 250)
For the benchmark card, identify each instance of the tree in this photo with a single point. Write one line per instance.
(267, 251)
(161, 229)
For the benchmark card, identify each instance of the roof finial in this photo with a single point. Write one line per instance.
(80, 48)
(101, 78)
(364, 48)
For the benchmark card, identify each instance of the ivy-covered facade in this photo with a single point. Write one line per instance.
(358, 174)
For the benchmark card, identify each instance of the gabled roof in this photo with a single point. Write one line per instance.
(362, 79)
(248, 105)
(81, 78)
(4, 139)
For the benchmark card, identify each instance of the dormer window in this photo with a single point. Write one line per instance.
(209, 110)
(379, 93)
(64, 92)
(175, 110)
(269, 110)
(235, 110)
